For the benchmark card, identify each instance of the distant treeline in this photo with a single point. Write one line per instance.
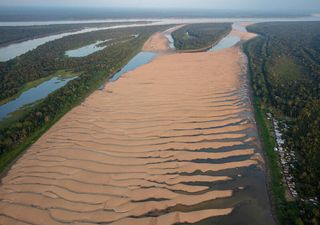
(48, 58)
(200, 36)
(285, 73)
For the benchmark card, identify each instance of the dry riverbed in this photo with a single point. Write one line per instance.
(170, 142)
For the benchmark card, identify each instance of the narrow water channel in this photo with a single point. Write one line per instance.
(230, 40)
(226, 42)
(137, 61)
(171, 41)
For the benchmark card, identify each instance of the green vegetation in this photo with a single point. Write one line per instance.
(200, 36)
(93, 71)
(284, 63)
(50, 58)
(284, 70)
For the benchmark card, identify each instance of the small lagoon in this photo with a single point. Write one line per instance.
(86, 50)
(33, 94)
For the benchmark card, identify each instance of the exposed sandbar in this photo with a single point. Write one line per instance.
(145, 144)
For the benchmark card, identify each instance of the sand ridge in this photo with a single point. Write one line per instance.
(151, 141)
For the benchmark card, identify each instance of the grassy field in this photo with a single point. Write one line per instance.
(285, 70)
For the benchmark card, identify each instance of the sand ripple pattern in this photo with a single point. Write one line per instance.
(146, 150)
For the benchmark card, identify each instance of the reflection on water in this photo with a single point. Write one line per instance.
(139, 60)
(32, 95)
(86, 50)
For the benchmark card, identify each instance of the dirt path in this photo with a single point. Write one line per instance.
(159, 138)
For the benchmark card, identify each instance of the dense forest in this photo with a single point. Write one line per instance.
(14, 34)
(200, 36)
(284, 62)
(48, 58)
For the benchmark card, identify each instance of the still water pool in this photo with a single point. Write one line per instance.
(33, 94)
(86, 50)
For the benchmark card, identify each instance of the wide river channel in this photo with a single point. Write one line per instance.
(17, 49)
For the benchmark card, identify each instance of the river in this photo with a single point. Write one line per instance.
(14, 50)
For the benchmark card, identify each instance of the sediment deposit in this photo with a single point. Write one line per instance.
(152, 141)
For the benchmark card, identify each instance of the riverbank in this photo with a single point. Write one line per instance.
(291, 203)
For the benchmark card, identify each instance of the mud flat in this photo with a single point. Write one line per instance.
(171, 142)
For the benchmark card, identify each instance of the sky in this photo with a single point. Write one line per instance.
(191, 4)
